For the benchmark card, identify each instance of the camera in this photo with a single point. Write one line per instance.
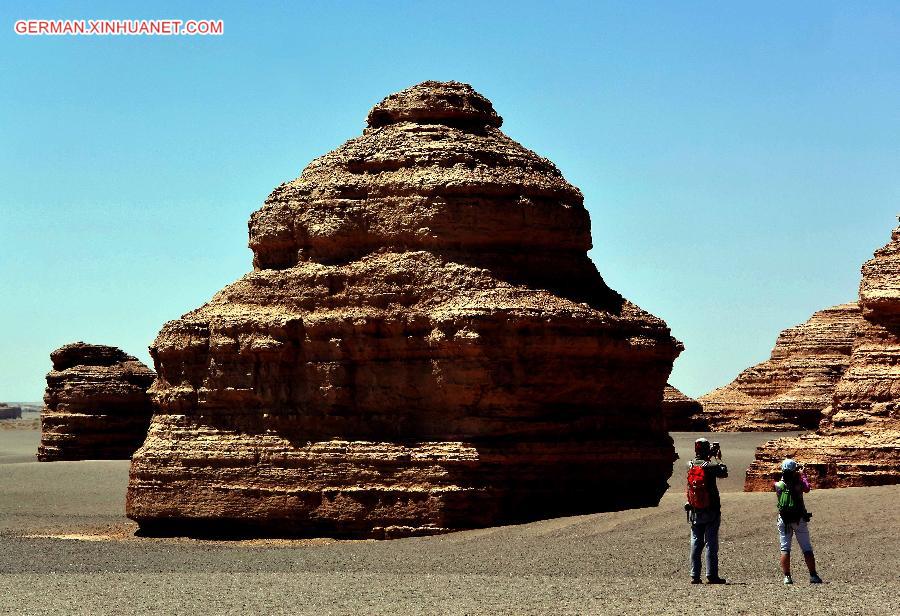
(716, 450)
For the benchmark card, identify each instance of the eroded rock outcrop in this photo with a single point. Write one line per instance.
(423, 346)
(10, 412)
(96, 404)
(858, 442)
(681, 412)
(790, 390)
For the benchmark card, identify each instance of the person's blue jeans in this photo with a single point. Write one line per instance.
(705, 533)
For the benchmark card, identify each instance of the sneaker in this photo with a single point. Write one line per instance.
(814, 578)
(715, 580)
(788, 580)
(695, 580)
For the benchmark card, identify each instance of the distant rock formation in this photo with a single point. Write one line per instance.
(682, 413)
(790, 390)
(96, 404)
(10, 412)
(423, 346)
(858, 442)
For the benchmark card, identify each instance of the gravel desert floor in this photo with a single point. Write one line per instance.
(66, 548)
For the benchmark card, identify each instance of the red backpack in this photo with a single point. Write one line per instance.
(697, 490)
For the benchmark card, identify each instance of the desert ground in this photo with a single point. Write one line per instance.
(67, 548)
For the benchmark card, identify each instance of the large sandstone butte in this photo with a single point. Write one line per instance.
(790, 390)
(858, 442)
(96, 404)
(423, 346)
(681, 412)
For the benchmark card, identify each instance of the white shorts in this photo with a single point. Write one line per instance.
(787, 531)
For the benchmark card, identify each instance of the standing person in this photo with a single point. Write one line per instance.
(793, 518)
(705, 509)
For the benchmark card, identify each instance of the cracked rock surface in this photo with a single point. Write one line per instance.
(858, 441)
(96, 404)
(682, 413)
(790, 390)
(423, 345)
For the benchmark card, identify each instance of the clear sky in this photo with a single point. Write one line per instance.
(739, 163)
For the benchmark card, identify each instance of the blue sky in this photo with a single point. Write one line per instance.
(739, 163)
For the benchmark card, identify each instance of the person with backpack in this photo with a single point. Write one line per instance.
(704, 509)
(793, 518)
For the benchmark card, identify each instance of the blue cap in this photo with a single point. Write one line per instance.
(789, 465)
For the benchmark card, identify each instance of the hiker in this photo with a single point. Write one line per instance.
(704, 509)
(793, 518)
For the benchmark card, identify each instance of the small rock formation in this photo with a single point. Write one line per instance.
(96, 404)
(10, 412)
(681, 413)
(858, 442)
(423, 346)
(790, 390)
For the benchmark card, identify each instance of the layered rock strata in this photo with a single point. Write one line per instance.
(423, 346)
(858, 442)
(681, 412)
(96, 404)
(790, 390)
(10, 412)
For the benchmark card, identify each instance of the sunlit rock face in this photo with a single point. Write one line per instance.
(858, 442)
(790, 390)
(423, 346)
(96, 404)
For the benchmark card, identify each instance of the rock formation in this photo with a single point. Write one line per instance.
(790, 390)
(10, 412)
(96, 404)
(858, 442)
(423, 346)
(681, 412)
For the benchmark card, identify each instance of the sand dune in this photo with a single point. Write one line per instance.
(65, 547)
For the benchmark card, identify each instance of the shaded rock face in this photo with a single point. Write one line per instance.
(423, 346)
(96, 404)
(10, 412)
(790, 390)
(858, 442)
(681, 412)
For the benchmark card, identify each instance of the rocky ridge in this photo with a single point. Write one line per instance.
(858, 441)
(790, 390)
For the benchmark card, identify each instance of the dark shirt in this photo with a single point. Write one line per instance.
(712, 471)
